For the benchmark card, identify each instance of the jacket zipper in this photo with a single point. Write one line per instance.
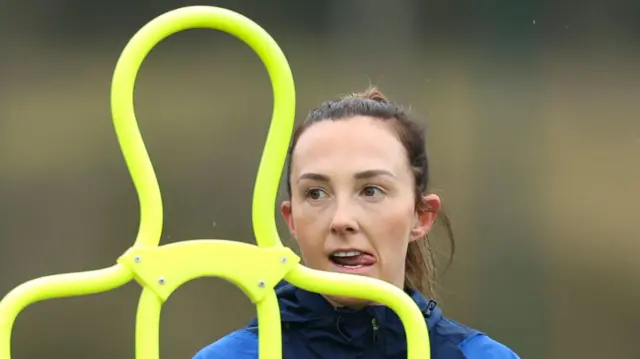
(375, 326)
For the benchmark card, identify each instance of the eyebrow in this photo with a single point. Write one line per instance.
(360, 175)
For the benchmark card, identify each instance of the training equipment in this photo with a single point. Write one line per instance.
(256, 269)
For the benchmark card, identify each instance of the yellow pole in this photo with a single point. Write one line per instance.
(256, 269)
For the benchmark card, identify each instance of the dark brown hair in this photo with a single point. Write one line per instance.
(420, 268)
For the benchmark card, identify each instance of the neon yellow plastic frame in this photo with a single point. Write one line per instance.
(256, 269)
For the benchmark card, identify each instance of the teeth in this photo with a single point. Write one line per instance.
(346, 254)
(353, 267)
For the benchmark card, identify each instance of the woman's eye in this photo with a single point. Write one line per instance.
(371, 191)
(315, 193)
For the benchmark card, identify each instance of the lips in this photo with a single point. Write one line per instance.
(352, 259)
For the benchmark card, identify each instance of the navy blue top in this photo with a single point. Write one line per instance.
(312, 328)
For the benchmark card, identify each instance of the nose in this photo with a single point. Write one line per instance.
(343, 221)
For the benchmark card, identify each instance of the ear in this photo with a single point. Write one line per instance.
(426, 216)
(285, 209)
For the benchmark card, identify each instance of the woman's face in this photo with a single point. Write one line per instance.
(352, 207)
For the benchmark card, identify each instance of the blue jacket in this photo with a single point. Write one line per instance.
(313, 329)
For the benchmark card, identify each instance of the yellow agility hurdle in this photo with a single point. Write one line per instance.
(256, 269)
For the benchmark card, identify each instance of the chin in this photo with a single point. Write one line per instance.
(340, 301)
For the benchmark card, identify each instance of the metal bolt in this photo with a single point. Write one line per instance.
(161, 281)
(137, 259)
(283, 259)
(261, 284)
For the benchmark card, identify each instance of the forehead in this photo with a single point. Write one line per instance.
(358, 143)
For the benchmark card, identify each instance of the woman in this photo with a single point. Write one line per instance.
(357, 179)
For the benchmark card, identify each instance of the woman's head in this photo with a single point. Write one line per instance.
(357, 179)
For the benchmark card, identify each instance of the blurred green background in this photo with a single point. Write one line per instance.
(534, 138)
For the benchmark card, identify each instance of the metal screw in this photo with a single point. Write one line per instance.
(261, 284)
(283, 259)
(137, 259)
(161, 281)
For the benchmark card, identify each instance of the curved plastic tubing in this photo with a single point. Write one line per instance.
(161, 270)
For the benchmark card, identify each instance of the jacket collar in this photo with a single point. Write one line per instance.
(301, 306)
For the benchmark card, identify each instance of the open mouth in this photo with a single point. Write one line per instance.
(352, 259)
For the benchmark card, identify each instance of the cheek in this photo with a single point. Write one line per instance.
(310, 234)
(393, 233)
